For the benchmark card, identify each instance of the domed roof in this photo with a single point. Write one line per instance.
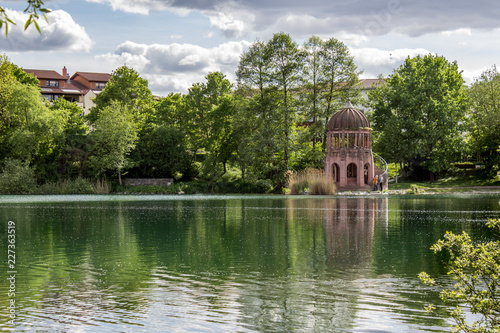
(348, 118)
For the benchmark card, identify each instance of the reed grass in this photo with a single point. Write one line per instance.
(312, 181)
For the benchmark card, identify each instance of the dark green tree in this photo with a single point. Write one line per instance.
(418, 115)
(161, 153)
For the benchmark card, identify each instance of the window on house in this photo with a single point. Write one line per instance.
(100, 85)
(52, 83)
(49, 97)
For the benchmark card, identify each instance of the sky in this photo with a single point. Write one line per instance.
(176, 43)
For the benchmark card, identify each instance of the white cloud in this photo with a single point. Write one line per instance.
(375, 61)
(232, 19)
(458, 32)
(60, 33)
(142, 7)
(177, 66)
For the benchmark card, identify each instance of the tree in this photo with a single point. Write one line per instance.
(209, 112)
(73, 152)
(476, 270)
(257, 122)
(28, 130)
(35, 9)
(484, 123)
(114, 137)
(161, 152)
(330, 77)
(286, 61)
(127, 87)
(421, 109)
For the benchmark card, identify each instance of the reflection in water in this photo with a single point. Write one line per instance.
(231, 263)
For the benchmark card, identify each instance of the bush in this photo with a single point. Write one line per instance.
(17, 178)
(69, 186)
(414, 189)
(476, 270)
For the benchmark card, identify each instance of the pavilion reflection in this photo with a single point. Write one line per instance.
(349, 228)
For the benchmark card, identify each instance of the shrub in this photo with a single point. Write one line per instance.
(476, 269)
(17, 178)
(414, 189)
(69, 186)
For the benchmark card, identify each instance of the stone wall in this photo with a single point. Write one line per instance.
(148, 181)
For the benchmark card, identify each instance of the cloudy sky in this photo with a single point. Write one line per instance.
(175, 43)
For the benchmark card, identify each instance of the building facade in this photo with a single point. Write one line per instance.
(80, 88)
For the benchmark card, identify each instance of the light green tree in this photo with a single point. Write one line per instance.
(421, 108)
(475, 268)
(114, 137)
(286, 64)
(483, 122)
(28, 129)
(128, 88)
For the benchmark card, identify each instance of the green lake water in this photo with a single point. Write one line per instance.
(230, 263)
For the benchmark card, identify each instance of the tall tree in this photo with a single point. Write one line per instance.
(330, 77)
(340, 77)
(483, 122)
(114, 137)
(286, 63)
(421, 109)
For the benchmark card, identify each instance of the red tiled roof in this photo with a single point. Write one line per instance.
(45, 74)
(370, 83)
(93, 77)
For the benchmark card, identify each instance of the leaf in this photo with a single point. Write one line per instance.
(28, 22)
(37, 27)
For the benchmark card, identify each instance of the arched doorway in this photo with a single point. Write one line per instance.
(352, 174)
(335, 172)
(366, 173)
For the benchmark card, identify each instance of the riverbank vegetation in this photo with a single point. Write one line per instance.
(249, 135)
(475, 268)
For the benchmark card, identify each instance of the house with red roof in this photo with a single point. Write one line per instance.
(80, 88)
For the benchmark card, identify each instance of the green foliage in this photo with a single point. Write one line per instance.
(161, 153)
(414, 189)
(35, 9)
(476, 269)
(68, 186)
(483, 122)
(28, 129)
(127, 87)
(114, 137)
(17, 177)
(288, 95)
(418, 113)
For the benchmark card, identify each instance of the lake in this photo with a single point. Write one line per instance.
(229, 263)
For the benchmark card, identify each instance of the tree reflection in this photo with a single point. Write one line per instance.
(258, 263)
